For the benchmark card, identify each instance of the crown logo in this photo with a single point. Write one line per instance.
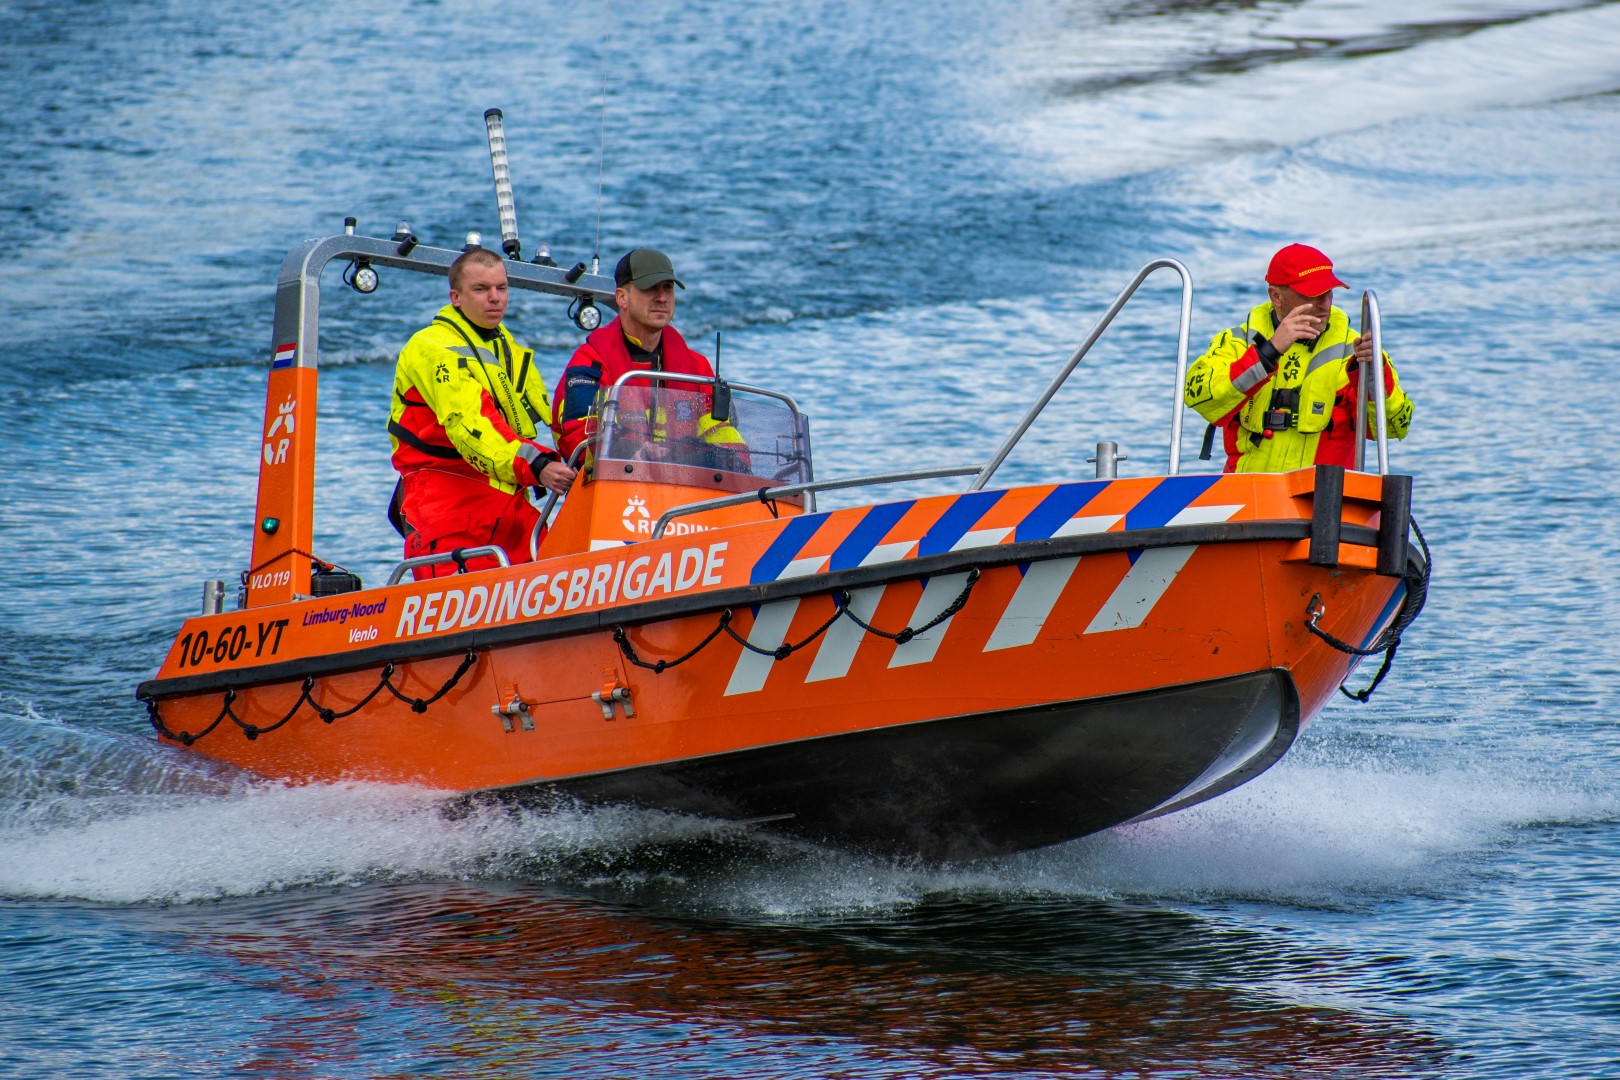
(636, 507)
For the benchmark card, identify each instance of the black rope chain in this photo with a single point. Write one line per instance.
(253, 731)
(785, 650)
(1417, 592)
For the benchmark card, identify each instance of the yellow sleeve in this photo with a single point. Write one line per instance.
(1398, 407)
(461, 402)
(1209, 388)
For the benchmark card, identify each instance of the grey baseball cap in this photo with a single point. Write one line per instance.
(644, 268)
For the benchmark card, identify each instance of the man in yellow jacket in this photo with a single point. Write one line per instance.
(469, 405)
(1283, 384)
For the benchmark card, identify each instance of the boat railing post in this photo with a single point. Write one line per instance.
(551, 503)
(1007, 444)
(1372, 386)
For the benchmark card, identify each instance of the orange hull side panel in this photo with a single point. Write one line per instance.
(1059, 629)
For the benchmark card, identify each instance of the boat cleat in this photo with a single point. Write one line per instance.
(516, 707)
(610, 695)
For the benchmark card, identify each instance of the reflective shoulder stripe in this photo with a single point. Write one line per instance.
(471, 351)
(1333, 352)
(415, 442)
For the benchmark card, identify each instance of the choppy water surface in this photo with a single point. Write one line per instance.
(908, 219)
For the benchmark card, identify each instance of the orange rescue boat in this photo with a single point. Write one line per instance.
(949, 677)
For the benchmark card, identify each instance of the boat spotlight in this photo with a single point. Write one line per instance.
(586, 315)
(475, 239)
(361, 276)
(404, 238)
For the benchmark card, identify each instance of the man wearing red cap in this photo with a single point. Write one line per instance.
(1282, 386)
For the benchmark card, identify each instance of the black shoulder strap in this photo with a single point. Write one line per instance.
(414, 441)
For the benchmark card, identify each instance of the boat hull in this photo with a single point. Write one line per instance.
(952, 678)
(969, 787)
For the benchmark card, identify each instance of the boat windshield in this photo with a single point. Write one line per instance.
(763, 437)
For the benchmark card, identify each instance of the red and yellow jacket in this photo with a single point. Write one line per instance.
(470, 405)
(602, 359)
(1296, 414)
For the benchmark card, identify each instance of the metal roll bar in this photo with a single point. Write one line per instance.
(1085, 346)
(298, 288)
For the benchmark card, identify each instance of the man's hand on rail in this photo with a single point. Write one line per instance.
(557, 477)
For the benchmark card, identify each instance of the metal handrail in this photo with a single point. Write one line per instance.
(1371, 326)
(408, 565)
(707, 380)
(1085, 346)
(551, 504)
(769, 494)
(610, 408)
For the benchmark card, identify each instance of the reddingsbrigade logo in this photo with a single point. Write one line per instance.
(636, 518)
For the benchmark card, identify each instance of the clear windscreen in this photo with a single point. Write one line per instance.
(673, 425)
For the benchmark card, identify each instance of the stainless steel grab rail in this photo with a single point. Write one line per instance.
(499, 554)
(1085, 346)
(1372, 326)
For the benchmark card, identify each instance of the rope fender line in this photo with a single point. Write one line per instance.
(1417, 593)
(782, 652)
(327, 715)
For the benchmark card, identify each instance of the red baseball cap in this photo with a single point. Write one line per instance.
(1304, 269)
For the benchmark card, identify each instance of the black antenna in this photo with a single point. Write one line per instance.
(722, 390)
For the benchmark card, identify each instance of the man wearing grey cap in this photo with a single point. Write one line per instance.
(640, 339)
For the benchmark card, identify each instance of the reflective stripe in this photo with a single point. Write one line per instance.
(474, 353)
(1252, 376)
(1330, 354)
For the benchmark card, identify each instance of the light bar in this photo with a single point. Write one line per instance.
(503, 184)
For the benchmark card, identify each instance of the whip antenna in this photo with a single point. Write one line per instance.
(503, 184)
(601, 141)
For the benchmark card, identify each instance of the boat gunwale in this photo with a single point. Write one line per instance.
(520, 633)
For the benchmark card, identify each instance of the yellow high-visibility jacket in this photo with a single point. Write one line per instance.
(1268, 430)
(466, 403)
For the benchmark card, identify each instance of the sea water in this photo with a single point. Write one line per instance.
(907, 217)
